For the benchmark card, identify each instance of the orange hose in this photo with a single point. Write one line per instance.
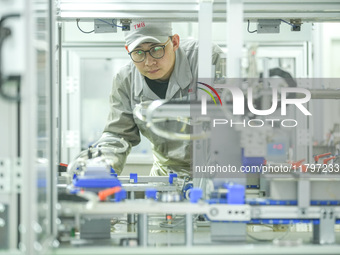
(317, 157)
(325, 161)
(108, 192)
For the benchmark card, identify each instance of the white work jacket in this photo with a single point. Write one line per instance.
(130, 88)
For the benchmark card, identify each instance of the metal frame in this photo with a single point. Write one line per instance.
(71, 95)
(38, 234)
(168, 10)
(311, 10)
(29, 144)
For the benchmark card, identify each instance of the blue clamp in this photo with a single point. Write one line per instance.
(113, 172)
(236, 193)
(134, 177)
(120, 195)
(151, 193)
(195, 195)
(172, 176)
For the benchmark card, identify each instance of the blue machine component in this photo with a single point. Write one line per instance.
(256, 201)
(261, 201)
(195, 195)
(134, 177)
(113, 172)
(151, 193)
(281, 221)
(187, 190)
(236, 193)
(253, 186)
(172, 176)
(326, 202)
(96, 182)
(120, 195)
(217, 201)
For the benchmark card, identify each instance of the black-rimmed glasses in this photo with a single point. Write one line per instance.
(157, 52)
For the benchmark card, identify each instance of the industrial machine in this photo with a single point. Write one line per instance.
(263, 178)
(287, 195)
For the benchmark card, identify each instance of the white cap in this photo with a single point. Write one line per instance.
(147, 32)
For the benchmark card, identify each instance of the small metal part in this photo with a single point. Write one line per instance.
(171, 197)
(296, 24)
(125, 24)
(89, 152)
(268, 26)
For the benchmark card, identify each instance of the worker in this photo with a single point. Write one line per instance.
(161, 67)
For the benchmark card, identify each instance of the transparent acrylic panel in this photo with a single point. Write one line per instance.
(41, 22)
(96, 82)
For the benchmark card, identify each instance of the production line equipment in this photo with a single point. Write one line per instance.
(96, 203)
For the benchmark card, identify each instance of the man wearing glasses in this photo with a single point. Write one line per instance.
(161, 68)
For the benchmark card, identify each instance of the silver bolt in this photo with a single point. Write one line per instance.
(55, 243)
(37, 246)
(37, 228)
(22, 247)
(213, 211)
(57, 221)
(2, 222)
(22, 229)
(58, 206)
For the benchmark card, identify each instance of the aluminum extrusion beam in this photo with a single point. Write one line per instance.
(144, 187)
(215, 212)
(187, 10)
(145, 179)
(291, 212)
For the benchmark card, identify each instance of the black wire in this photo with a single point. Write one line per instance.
(15, 78)
(248, 28)
(288, 23)
(4, 33)
(85, 32)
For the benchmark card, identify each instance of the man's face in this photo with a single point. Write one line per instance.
(158, 69)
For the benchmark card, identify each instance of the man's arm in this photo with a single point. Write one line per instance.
(218, 61)
(120, 122)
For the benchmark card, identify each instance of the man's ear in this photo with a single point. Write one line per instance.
(175, 41)
(126, 47)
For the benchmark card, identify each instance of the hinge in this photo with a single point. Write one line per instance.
(72, 138)
(72, 84)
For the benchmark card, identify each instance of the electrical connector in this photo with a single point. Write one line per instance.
(125, 24)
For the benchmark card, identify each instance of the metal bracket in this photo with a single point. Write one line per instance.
(17, 179)
(10, 175)
(72, 84)
(72, 138)
(323, 233)
(5, 175)
(125, 24)
(105, 26)
(268, 26)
